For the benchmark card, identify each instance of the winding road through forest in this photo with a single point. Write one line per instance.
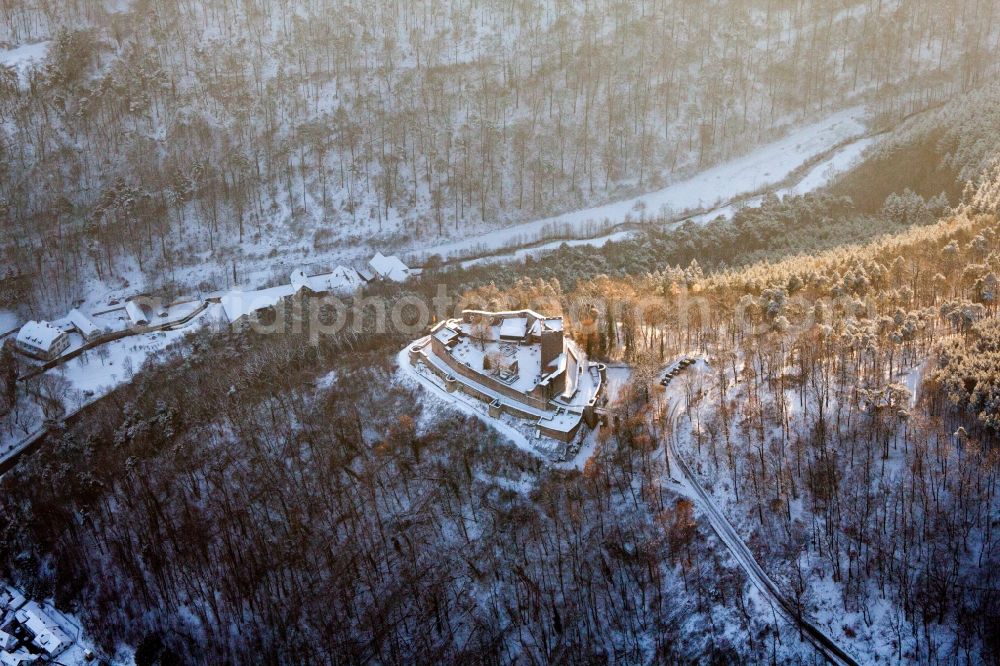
(783, 604)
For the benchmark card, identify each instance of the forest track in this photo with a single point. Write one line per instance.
(826, 646)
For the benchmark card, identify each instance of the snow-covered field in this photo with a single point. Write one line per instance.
(824, 172)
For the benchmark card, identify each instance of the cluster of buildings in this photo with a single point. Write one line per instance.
(28, 633)
(239, 304)
(519, 363)
(48, 340)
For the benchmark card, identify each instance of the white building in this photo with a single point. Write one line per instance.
(136, 314)
(389, 268)
(42, 340)
(43, 630)
(20, 657)
(87, 327)
(239, 305)
(342, 280)
(300, 281)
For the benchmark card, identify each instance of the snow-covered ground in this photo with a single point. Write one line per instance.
(685, 481)
(824, 172)
(9, 321)
(912, 378)
(764, 167)
(867, 635)
(618, 378)
(587, 449)
(98, 371)
(24, 57)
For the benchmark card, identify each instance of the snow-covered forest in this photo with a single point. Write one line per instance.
(835, 424)
(764, 234)
(140, 138)
(848, 422)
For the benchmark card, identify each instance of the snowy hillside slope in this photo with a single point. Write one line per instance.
(159, 137)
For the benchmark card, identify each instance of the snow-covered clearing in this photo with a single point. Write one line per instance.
(824, 172)
(103, 368)
(24, 57)
(764, 167)
(912, 378)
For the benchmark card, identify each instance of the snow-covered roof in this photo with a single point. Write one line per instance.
(389, 268)
(136, 313)
(300, 280)
(38, 335)
(445, 334)
(538, 320)
(48, 635)
(10, 599)
(549, 324)
(514, 327)
(555, 367)
(562, 420)
(20, 657)
(237, 304)
(342, 280)
(87, 326)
